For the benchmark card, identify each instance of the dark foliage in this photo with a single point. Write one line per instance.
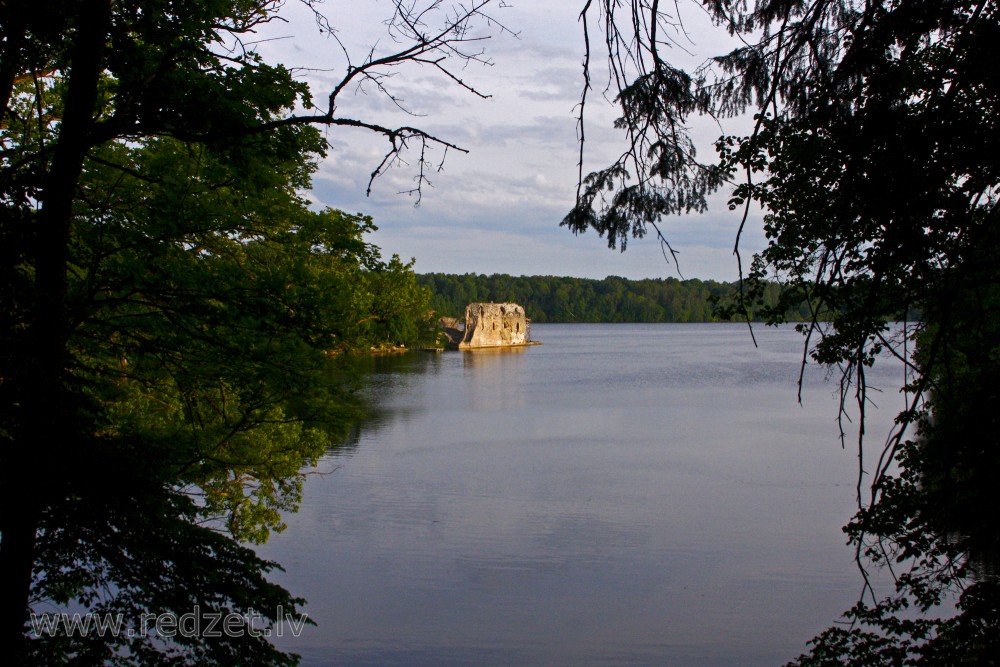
(876, 157)
(170, 308)
(614, 299)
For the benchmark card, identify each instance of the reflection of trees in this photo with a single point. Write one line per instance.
(125, 544)
(384, 376)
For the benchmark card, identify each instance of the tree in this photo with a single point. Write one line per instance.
(169, 303)
(874, 155)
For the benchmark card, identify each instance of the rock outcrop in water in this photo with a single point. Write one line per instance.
(489, 325)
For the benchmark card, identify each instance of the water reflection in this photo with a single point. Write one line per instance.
(619, 495)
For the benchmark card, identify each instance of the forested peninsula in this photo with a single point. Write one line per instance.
(613, 299)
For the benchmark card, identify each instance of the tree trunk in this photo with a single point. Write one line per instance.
(49, 431)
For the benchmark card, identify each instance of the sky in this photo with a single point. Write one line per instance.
(496, 209)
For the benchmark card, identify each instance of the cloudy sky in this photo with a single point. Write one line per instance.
(496, 209)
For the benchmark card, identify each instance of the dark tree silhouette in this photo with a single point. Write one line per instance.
(874, 153)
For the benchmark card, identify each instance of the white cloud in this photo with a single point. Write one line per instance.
(496, 209)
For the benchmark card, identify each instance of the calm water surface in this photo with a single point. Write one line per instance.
(621, 495)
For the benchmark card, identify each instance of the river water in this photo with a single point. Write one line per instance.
(620, 495)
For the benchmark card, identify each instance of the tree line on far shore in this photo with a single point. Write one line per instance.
(613, 299)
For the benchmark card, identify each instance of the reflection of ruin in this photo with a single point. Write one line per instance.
(489, 325)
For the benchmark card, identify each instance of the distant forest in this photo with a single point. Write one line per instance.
(614, 299)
